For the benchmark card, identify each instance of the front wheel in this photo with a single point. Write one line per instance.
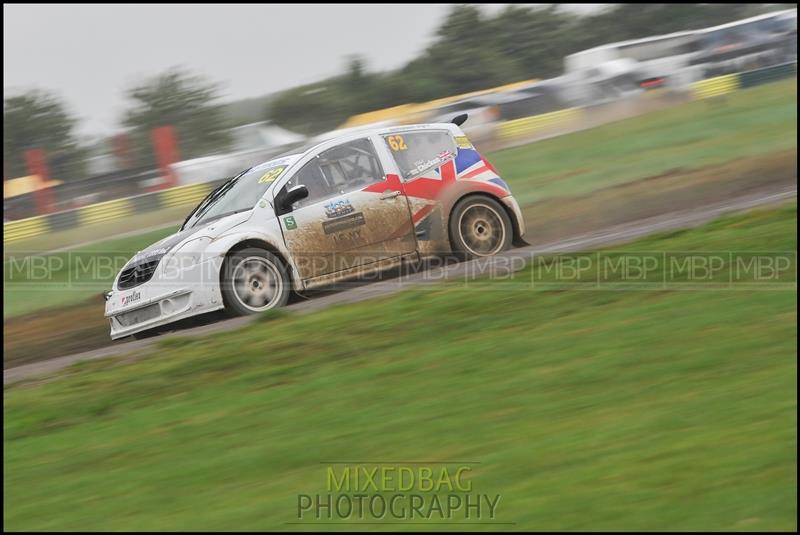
(253, 280)
(479, 226)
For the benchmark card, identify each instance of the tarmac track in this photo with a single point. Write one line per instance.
(362, 290)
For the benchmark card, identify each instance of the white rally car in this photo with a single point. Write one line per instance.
(359, 203)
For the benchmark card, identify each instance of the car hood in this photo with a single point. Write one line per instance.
(212, 230)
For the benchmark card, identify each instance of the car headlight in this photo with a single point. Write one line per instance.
(188, 255)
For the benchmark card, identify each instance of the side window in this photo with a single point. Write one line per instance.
(416, 152)
(310, 175)
(338, 170)
(351, 166)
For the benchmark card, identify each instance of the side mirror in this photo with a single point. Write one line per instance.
(458, 120)
(297, 193)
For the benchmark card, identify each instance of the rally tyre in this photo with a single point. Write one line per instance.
(479, 226)
(253, 280)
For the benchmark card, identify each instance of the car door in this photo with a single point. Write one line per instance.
(348, 219)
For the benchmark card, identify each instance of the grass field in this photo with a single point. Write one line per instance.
(586, 409)
(752, 122)
(95, 232)
(71, 275)
(755, 121)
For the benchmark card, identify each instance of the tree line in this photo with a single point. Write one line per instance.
(470, 51)
(473, 50)
(177, 97)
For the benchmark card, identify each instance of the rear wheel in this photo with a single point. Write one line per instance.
(254, 280)
(479, 226)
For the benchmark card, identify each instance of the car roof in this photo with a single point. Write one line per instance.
(360, 132)
(281, 159)
(292, 156)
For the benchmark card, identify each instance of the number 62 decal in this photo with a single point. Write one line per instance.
(271, 174)
(396, 143)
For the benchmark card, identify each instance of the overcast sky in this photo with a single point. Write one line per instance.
(90, 54)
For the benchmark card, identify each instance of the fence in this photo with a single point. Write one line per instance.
(106, 211)
(529, 129)
(71, 195)
(767, 74)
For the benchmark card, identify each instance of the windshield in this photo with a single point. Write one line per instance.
(240, 194)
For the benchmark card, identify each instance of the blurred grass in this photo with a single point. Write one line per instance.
(749, 122)
(71, 275)
(598, 410)
(689, 136)
(71, 238)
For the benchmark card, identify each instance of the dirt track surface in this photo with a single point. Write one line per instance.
(360, 291)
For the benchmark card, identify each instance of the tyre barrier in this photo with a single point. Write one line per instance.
(715, 87)
(92, 214)
(728, 83)
(527, 126)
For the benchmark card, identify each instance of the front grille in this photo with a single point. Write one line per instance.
(139, 315)
(136, 275)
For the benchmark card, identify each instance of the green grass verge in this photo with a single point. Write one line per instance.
(749, 122)
(754, 121)
(71, 276)
(587, 409)
(96, 232)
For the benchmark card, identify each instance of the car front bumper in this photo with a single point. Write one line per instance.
(164, 299)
